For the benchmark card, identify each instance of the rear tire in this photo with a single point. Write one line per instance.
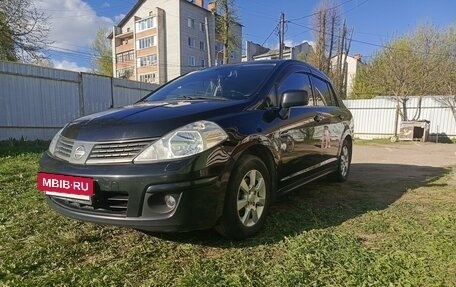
(247, 199)
(344, 162)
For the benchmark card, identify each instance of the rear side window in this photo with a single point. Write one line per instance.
(296, 81)
(324, 95)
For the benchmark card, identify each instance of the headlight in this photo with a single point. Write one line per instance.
(54, 141)
(186, 141)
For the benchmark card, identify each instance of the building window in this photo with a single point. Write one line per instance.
(147, 60)
(146, 24)
(125, 56)
(191, 61)
(145, 42)
(191, 23)
(147, 78)
(203, 63)
(191, 42)
(125, 73)
(233, 55)
(202, 27)
(202, 46)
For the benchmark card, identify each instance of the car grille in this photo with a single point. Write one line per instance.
(117, 152)
(101, 153)
(63, 148)
(113, 203)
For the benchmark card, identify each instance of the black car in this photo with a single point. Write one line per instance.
(212, 148)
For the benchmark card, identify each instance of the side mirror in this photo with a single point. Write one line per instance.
(293, 98)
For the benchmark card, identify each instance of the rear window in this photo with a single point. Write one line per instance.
(229, 82)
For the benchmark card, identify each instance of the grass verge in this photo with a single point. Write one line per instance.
(352, 234)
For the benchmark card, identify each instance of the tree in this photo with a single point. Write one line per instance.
(338, 72)
(332, 43)
(6, 41)
(226, 19)
(447, 51)
(23, 31)
(303, 56)
(319, 24)
(362, 87)
(416, 64)
(447, 73)
(44, 62)
(448, 102)
(102, 53)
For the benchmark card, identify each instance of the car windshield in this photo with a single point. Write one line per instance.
(220, 83)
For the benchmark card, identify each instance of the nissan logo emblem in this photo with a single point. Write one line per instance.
(79, 152)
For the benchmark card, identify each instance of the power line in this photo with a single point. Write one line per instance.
(111, 7)
(80, 48)
(359, 5)
(73, 52)
(73, 13)
(272, 32)
(368, 43)
(256, 12)
(315, 13)
(91, 56)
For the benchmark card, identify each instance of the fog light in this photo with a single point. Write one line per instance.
(170, 201)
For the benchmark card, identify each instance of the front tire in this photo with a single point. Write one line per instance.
(247, 199)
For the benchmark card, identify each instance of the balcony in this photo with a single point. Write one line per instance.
(125, 47)
(128, 34)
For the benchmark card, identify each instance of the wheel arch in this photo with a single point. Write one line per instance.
(264, 153)
(230, 224)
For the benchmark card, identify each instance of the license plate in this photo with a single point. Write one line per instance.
(75, 187)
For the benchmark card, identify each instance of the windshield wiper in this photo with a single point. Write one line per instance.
(209, 98)
(198, 98)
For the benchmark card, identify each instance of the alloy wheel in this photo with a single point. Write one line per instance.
(251, 198)
(344, 161)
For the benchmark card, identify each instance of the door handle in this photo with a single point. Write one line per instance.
(318, 118)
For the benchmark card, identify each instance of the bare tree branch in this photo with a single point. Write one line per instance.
(24, 31)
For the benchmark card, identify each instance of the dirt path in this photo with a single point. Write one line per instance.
(410, 160)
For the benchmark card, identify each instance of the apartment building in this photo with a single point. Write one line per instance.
(158, 40)
(256, 52)
(354, 64)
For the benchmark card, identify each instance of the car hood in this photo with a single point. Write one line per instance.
(146, 119)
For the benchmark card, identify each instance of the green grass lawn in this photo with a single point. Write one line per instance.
(351, 234)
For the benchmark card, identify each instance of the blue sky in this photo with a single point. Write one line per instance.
(74, 22)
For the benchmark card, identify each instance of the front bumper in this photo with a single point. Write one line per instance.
(133, 195)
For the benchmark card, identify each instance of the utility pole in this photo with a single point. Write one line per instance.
(281, 34)
(208, 43)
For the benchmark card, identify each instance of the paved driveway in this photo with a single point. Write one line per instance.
(407, 160)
